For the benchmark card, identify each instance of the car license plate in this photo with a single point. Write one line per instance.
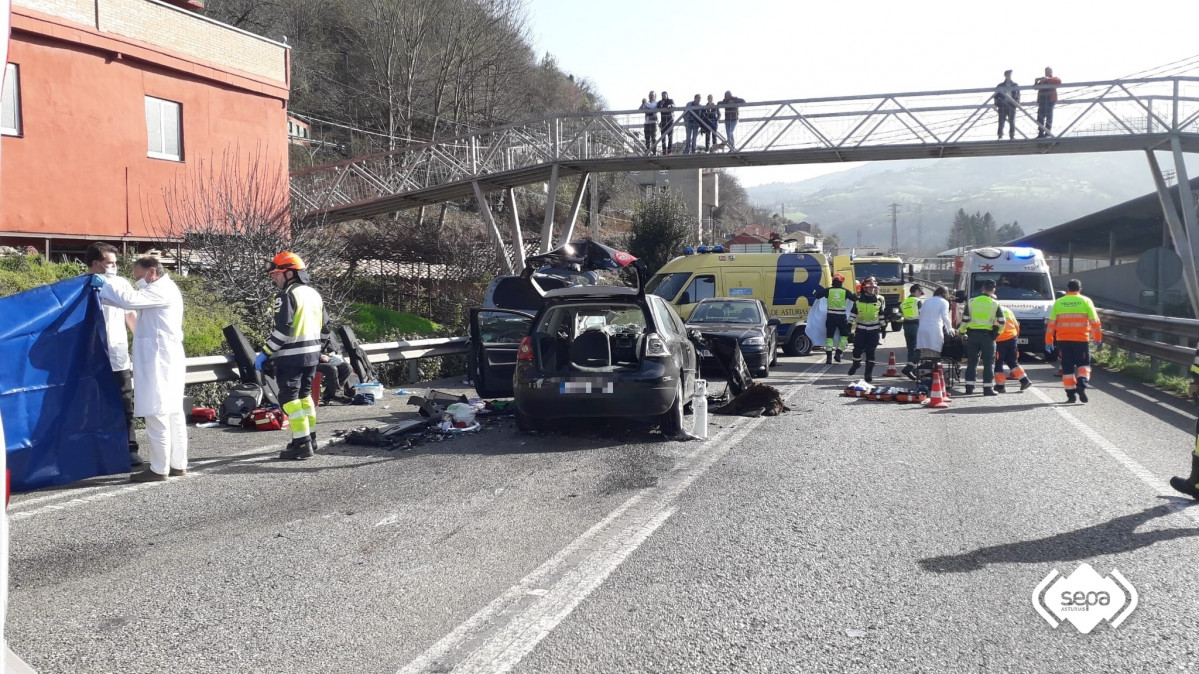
(1022, 340)
(568, 387)
(704, 353)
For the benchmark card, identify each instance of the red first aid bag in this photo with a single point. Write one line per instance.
(266, 419)
(202, 415)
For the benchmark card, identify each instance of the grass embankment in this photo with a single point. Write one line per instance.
(379, 324)
(1170, 377)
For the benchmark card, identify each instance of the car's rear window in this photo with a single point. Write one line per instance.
(514, 292)
(570, 320)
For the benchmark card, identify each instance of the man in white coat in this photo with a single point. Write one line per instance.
(101, 258)
(159, 364)
(934, 324)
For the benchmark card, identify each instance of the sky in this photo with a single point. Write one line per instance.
(784, 49)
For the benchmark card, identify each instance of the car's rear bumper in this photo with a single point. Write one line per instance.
(648, 392)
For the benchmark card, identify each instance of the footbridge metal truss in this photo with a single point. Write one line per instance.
(1136, 114)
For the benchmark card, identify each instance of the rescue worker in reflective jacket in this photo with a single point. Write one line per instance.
(836, 323)
(910, 308)
(982, 320)
(1190, 485)
(1071, 321)
(295, 349)
(870, 326)
(1006, 353)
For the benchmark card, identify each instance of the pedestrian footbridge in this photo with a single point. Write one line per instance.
(1106, 116)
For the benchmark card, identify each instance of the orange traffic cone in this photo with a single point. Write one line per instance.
(891, 371)
(936, 398)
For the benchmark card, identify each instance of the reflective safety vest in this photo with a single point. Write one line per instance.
(911, 309)
(1011, 326)
(1072, 319)
(867, 312)
(299, 320)
(837, 300)
(982, 313)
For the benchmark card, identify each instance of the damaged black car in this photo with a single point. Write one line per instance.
(589, 351)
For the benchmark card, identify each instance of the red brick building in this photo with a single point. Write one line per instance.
(106, 102)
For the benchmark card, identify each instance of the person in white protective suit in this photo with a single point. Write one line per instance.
(101, 258)
(935, 323)
(159, 364)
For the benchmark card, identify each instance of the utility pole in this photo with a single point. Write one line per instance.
(859, 238)
(894, 228)
(920, 226)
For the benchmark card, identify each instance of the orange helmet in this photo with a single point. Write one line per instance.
(285, 261)
(840, 278)
(869, 282)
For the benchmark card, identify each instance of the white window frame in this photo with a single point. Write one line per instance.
(12, 83)
(165, 108)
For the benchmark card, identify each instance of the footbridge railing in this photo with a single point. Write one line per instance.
(1088, 116)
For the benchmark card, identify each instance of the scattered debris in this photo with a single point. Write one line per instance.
(757, 400)
(434, 403)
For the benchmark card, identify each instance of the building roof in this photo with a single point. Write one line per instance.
(1127, 230)
(745, 238)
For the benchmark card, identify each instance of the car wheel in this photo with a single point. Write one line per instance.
(671, 423)
(764, 372)
(525, 423)
(799, 344)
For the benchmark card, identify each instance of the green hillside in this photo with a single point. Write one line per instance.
(1036, 191)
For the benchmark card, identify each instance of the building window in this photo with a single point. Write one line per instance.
(164, 129)
(10, 107)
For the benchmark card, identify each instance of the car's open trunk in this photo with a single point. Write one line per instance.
(592, 351)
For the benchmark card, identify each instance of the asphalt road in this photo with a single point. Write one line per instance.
(843, 536)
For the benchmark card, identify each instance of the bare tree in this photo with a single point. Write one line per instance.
(231, 215)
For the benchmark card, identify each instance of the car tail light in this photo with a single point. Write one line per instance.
(525, 352)
(655, 346)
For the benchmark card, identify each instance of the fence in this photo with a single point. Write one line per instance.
(1162, 338)
(207, 369)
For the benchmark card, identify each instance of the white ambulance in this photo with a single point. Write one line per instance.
(1022, 284)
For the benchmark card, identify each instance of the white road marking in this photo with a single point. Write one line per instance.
(1155, 483)
(1159, 403)
(502, 633)
(75, 497)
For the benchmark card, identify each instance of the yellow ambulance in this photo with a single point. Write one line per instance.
(785, 282)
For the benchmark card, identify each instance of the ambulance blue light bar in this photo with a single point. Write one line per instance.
(1024, 253)
(688, 251)
(701, 249)
(718, 249)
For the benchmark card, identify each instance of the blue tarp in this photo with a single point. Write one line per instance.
(63, 418)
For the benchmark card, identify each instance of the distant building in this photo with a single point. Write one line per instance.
(107, 102)
(299, 132)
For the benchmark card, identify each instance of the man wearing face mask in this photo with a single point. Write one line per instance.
(295, 348)
(101, 258)
(159, 363)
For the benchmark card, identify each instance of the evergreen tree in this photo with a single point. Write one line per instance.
(661, 226)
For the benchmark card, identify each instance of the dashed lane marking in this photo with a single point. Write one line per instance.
(498, 636)
(1155, 483)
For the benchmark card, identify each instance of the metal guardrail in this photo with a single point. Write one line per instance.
(1122, 330)
(206, 369)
